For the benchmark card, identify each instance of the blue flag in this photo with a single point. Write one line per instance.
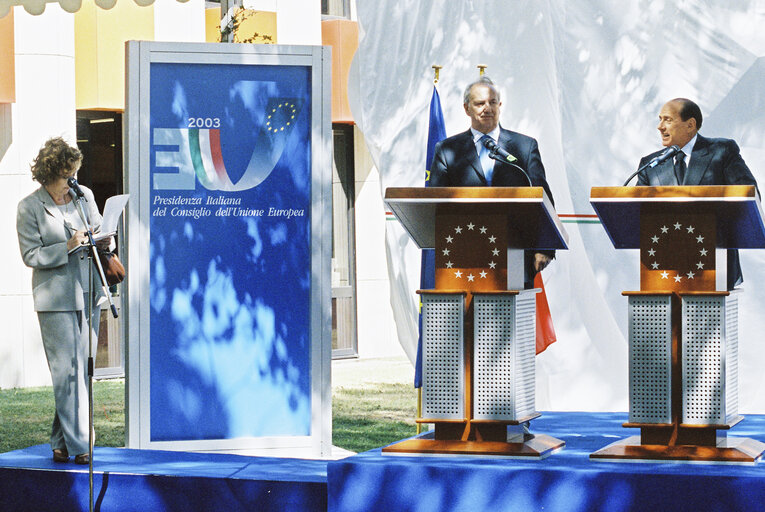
(436, 133)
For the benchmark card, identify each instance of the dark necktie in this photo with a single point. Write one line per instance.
(680, 167)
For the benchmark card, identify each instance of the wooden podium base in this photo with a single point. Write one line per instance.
(536, 446)
(731, 450)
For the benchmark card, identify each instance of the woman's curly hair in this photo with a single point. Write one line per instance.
(56, 159)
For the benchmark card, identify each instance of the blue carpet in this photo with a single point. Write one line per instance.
(567, 481)
(151, 480)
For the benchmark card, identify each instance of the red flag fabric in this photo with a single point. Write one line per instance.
(545, 329)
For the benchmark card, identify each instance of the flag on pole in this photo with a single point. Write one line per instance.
(545, 329)
(436, 133)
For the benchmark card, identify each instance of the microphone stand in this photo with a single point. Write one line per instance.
(493, 153)
(93, 256)
(668, 153)
(646, 166)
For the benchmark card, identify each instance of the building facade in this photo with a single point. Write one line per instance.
(62, 74)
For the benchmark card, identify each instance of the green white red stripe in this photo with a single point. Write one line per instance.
(565, 218)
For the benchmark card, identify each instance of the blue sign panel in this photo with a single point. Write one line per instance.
(230, 203)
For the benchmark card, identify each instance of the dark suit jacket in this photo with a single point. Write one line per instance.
(713, 162)
(456, 164)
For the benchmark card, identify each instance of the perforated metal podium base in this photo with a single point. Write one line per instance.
(443, 359)
(683, 386)
(503, 355)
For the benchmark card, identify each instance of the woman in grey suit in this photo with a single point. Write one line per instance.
(50, 232)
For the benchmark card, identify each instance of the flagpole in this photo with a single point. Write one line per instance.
(436, 75)
(481, 69)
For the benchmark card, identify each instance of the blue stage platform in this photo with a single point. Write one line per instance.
(567, 481)
(149, 480)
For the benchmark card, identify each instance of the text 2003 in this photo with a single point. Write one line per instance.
(204, 122)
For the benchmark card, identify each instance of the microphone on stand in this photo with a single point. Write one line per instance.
(495, 151)
(498, 153)
(665, 155)
(74, 188)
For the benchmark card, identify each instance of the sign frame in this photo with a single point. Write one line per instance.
(140, 55)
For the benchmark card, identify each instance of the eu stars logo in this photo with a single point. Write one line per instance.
(471, 252)
(677, 252)
(280, 117)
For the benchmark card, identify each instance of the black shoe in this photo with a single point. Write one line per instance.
(60, 455)
(82, 458)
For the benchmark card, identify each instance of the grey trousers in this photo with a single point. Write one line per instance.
(65, 338)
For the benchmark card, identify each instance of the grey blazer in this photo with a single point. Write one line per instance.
(42, 240)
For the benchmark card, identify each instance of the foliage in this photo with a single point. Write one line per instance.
(236, 25)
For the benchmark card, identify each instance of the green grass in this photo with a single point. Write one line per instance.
(26, 415)
(372, 416)
(364, 417)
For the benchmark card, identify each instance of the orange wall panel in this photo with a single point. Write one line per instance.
(343, 37)
(212, 25)
(7, 60)
(99, 51)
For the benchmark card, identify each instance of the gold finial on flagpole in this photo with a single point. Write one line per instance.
(436, 69)
(481, 69)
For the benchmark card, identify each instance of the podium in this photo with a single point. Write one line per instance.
(478, 324)
(683, 322)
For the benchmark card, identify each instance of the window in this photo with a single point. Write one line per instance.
(336, 8)
(344, 341)
(99, 137)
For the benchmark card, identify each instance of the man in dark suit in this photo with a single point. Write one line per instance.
(701, 161)
(463, 161)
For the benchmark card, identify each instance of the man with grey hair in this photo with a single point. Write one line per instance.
(463, 160)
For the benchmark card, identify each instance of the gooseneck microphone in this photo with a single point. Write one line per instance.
(665, 155)
(498, 153)
(74, 186)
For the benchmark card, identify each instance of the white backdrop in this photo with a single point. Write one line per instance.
(587, 79)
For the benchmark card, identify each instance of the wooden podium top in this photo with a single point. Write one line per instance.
(532, 211)
(737, 210)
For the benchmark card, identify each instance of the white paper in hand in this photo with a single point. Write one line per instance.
(112, 211)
